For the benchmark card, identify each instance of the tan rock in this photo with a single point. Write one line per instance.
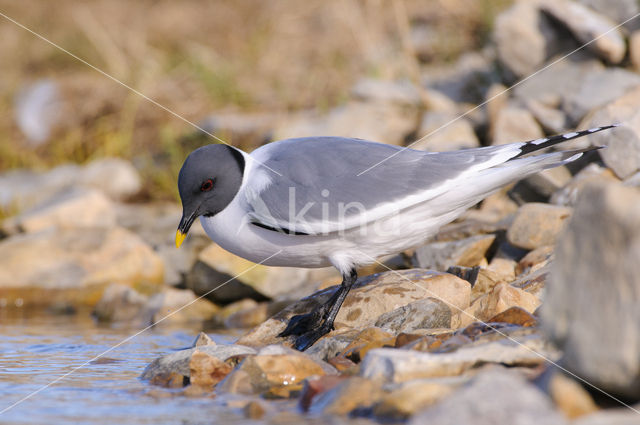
(247, 318)
(515, 124)
(440, 256)
(592, 173)
(173, 306)
(368, 339)
(371, 297)
(411, 397)
(515, 316)
(537, 225)
(501, 298)
(207, 370)
(504, 268)
(75, 265)
(446, 132)
(634, 50)
(487, 279)
(570, 397)
(535, 259)
(203, 339)
(345, 397)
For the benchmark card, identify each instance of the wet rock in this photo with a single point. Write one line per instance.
(120, 303)
(216, 266)
(371, 297)
(74, 208)
(588, 26)
(317, 385)
(623, 143)
(525, 38)
(347, 396)
(412, 396)
(592, 173)
(515, 124)
(277, 366)
(75, 265)
(202, 339)
(440, 256)
(520, 403)
(394, 365)
(427, 313)
(206, 370)
(402, 93)
(366, 340)
(332, 345)
(501, 297)
(443, 131)
(178, 362)
(173, 306)
(376, 121)
(537, 225)
(601, 347)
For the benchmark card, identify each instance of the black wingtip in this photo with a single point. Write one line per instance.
(546, 142)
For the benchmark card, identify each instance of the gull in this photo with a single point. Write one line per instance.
(301, 203)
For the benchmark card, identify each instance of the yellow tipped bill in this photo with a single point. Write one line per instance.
(180, 238)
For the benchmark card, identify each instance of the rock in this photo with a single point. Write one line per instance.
(366, 340)
(75, 208)
(598, 89)
(537, 225)
(515, 316)
(623, 143)
(501, 297)
(487, 279)
(394, 365)
(216, 267)
(552, 119)
(413, 396)
(503, 270)
(493, 397)
(427, 313)
(515, 124)
(245, 129)
(588, 26)
(569, 396)
(202, 339)
(592, 173)
(206, 370)
(115, 177)
(535, 259)
(74, 265)
(178, 362)
(315, 385)
(375, 121)
(276, 366)
(618, 11)
(371, 297)
(402, 93)
(525, 38)
(601, 348)
(120, 303)
(440, 256)
(177, 306)
(332, 345)
(634, 50)
(347, 396)
(534, 282)
(247, 318)
(547, 182)
(255, 410)
(621, 416)
(442, 131)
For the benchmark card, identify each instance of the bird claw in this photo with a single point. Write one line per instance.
(308, 328)
(306, 340)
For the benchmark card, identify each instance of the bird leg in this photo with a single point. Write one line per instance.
(311, 326)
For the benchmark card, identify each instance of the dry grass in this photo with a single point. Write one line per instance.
(197, 57)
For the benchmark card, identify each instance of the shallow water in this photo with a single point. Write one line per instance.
(35, 352)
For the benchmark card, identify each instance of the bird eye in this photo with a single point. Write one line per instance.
(206, 186)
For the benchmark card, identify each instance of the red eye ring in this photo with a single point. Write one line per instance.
(206, 186)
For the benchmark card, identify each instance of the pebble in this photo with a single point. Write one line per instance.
(427, 313)
(440, 256)
(501, 297)
(412, 396)
(514, 124)
(445, 132)
(346, 396)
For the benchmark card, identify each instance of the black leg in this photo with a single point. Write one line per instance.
(311, 326)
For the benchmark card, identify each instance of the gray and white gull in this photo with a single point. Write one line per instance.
(306, 202)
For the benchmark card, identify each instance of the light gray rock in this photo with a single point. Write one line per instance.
(428, 313)
(592, 173)
(116, 177)
(394, 365)
(494, 397)
(402, 93)
(120, 303)
(623, 143)
(442, 131)
(38, 111)
(178, 362)
(621, 416)
(525, 38)
(440, 256)
(591, 309)
(552, 119)
(376, 121)
(618, 10)
(589, 26)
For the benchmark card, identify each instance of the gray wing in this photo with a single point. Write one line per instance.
(320, 190)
